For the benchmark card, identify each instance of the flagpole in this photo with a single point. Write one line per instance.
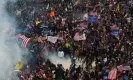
(131, 3)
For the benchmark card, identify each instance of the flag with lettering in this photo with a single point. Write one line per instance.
(92, 19)
(52, 39)
(114, 33)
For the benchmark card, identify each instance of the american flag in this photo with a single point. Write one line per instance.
(79, 36)
(112, 74)
(25, 40)
(123, 67)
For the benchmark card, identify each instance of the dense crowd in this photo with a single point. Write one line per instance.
(106, 44)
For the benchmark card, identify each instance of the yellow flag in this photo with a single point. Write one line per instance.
(67, 45)
(77, 2)
(37, 22)
(118, 7)
(19, 65)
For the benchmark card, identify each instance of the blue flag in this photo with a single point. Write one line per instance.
(92, 19)
(114, 33)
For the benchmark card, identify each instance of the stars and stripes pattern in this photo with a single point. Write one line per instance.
(25, 40)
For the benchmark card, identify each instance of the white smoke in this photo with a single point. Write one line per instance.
(65, 61)
(10, 52)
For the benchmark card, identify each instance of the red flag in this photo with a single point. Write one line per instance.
(25, 40)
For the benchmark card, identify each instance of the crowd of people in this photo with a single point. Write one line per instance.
(98, 34)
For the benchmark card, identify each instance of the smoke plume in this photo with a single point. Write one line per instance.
(66, 62)
(10, 52)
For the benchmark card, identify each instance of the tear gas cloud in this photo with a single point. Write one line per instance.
(10, 52)
(66, 62)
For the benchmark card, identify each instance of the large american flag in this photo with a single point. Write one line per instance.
(25, 40)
